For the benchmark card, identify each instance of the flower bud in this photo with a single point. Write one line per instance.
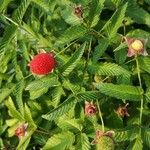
(122, 111)
(136, 47)
(90, 108)
(21, 131)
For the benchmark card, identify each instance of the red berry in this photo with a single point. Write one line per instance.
(42, 64)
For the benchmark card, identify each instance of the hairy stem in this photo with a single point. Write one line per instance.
(100, 115)
(139, 77)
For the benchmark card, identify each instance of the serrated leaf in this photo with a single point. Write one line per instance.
(146, 136)
(66, 124)
(127, 134)
(5, 92)
(137, 144)
(144, 63)
(89, 95)
(72, 62)
(28, 116)
(14, 113)
(114, 23)
(71, 34)
(41, 85)
(20, 11)
(83, 142)
(127, 92)
(100, 49)
(60, 141)
(8, 36)
(142, 16)
(56, 95)
(19, 93)
(61, 109)
(96, 7)
(4, 4)
(110, 69)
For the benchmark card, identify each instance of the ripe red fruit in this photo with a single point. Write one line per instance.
(42, 63)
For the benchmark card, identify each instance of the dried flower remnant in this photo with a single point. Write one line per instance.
(90, 108)
(21, 131)
(136, 46)
(122, 111)
(78, 11)
(104, 140)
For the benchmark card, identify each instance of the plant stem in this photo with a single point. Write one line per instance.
(139, 77)
(100, 115)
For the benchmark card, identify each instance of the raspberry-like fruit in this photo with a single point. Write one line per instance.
(42, 64)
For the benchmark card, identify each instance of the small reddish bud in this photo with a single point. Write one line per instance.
(136, 47)
(78, 11)
(90, 108)
(122, 111)
(42, 63)
(21, 131)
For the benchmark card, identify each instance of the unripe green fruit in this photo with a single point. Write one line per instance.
(105, 143)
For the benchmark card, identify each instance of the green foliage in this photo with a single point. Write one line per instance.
(142, 16)
(71, 34)
(41, 86)
(115, 22)
(109, 69)
(72, 62)
(94, 84)
(59, 142)
(127, 92)
(61, 109)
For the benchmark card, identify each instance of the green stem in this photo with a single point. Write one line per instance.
(139, 77)
(100, 115)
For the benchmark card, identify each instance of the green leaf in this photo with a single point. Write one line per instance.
(13, 112)
(28, 116)
(60, 110)
(96, 7)
(144, 63)
(73, 61)
(137, 144)
(20, 11)
(83, 142)
(115, 21)
(56, 95)
(41, 86)
(71, 34)
(42, 40)
(60, 141)
(45, 5)
(4, 4)
(66, 123)
(110, 69)
(127, 92)
(100, 49)
(5, 92)
(8, 36)
(146, 136)
(142, 16)
(89, 95)
(19, 93)
(127, 134)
